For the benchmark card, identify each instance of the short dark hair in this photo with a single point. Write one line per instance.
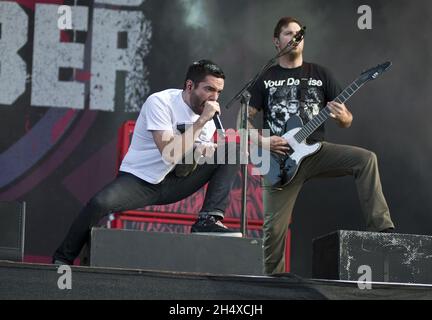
(284, 21)
(198, 70)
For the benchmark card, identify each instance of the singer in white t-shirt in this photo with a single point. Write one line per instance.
(172, 124)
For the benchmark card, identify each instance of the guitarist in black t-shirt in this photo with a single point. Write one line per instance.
(287, 92)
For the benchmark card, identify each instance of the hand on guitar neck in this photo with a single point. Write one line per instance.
(340, 113)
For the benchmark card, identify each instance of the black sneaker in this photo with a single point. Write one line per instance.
(59, 262)
(209, 225)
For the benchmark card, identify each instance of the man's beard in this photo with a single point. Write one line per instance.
(294, 54)
(197, 105)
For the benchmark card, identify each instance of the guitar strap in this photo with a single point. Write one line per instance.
(304, 79)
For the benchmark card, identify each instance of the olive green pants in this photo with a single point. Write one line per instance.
(332, 160)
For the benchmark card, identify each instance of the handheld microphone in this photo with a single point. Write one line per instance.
(218, 124)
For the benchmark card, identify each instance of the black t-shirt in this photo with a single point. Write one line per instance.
(277, 94)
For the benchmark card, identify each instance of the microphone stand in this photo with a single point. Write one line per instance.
(244, 96)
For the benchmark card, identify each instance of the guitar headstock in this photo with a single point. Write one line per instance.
(374, 72)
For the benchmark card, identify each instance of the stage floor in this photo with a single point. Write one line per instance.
(41, 281)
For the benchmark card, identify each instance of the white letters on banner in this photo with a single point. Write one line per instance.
(50, 54)
(13, 37)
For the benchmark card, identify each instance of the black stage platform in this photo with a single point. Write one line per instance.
(39, 281)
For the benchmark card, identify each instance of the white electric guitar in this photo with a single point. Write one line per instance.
(284, 168)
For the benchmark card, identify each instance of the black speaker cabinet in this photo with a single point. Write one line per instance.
(12, 230)
(175, 252)
(391, 257)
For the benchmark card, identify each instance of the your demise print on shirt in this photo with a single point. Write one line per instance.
(278, 94)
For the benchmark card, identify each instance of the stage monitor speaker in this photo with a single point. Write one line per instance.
(390, 257)
(12, 230)
(175, 252)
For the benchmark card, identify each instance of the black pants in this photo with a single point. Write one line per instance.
(128, 192)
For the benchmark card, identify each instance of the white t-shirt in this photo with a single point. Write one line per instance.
(163, 110)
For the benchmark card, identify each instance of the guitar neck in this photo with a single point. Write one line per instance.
(324, 114)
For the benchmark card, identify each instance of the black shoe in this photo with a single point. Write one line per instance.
(59, 262)
(209, 225)
(388, 230)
